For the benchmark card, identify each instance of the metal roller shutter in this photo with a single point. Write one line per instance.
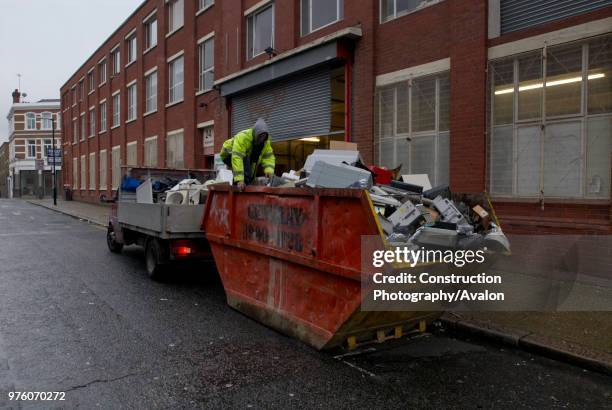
(521, 14)
(295, 107)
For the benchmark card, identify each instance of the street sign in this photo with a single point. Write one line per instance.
(51, 160)
(40, 165)
(51, 153)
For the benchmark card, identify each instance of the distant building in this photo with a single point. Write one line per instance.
(30, 125)
(4, 169)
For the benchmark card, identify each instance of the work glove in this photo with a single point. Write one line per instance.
(241, 185)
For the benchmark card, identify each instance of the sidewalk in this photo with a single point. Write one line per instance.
(583, 338)
(92, 213)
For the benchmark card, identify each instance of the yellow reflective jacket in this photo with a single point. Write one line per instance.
(240, 147)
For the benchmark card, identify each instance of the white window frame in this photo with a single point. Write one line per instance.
(250, 20)
(43, 119)
(83, 173)
(92, 171)
(147, 158)
(91, 81)
(102, 71)
(83, 126)
(151, 97)
(103, 169)
(103, 116)
(116, 59)
(75, 173)
(75, 130)
(204, 5)
(30, 116)
(172, 4)
(28, 145)
(423, 5)
(115, 170)
(128, 151)
(339, 17)
(92, 122)
(116, 118)
(47, 144)
(150, 41)
(131, 47)
(202, 62)
(132, 102)
(174, 134)
(172, 87)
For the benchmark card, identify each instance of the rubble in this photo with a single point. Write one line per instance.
(327, 175)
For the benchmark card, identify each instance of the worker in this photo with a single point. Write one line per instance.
(246, 151)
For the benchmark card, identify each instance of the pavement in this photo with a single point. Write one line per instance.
(75, 318)
(90, 212)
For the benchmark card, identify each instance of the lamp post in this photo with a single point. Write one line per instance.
(54, 158)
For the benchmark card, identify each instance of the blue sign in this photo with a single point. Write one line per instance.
(50, 152)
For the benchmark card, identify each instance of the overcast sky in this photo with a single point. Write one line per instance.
(47, 40)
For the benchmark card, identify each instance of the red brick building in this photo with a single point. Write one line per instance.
(497, 95)
(32, 136)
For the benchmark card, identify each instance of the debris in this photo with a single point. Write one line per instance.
(440, 190)
(144, 192)
(381, 175)
(407, 187)
(405, 218)
(435, 237)
(328, 175)
(482, 216)
(448, 210)
(421, 180)
(385, 200)
(333, 157)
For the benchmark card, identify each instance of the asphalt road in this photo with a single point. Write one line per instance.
(78, 319)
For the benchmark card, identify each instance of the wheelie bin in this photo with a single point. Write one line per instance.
(291, 259)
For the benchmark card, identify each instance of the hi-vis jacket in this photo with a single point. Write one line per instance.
(239, 148)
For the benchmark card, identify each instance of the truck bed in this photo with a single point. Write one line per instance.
(161, 220)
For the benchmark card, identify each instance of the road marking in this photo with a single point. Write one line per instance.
(362, 370)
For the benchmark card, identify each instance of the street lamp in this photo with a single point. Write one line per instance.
(54, 158)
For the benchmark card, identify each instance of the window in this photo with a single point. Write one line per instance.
(30, 121)
(31, 148)
(46, 121)
(203, 4)
(551, 122)
(175, 80)
(103, 116)
(131, 154)
(390, 9)
(412, 126)
(47, 146)
(74, 95)
(102, 72)
(175, 15)
(75, 173)
(116, 56)
(116, 166)
(150, 32)
(58, 121)
(151, 92)
(103, 169)
(92, 122)
(91, 82)
(92, 170)
(206, 64)
(174, 150)
(116, 110)
(83, 172)
(131, 102)
(208, 136)
(82, 89)
(260, 31)
(75, 130)
(83, 128)
(130, 45)
(150, 152)
(320, 13)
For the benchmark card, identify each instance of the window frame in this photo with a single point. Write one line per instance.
(116, 60)
(132, 98)
(339, 17)
(131, 48)
(171, 85)
(102, 72)
(92, 171)
(250, 20)
(146, 155)
(92, 121)
(103, 181)
(396, 14)
(170, 14)
(28, 116)
(208, 39)
(147, 23)
(148, 75)
(116, 110)
(29, 144)
(43, 119)
(103, 116)
(202, 6)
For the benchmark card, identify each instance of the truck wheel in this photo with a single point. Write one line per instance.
(153, 257)
(111, 241)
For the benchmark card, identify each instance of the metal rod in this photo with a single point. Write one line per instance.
(54, 158)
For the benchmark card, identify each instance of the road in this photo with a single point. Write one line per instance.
(78, 319)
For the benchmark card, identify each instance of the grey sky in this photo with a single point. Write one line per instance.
(47, 40)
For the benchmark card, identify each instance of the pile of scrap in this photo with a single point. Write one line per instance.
(435, 218)
(411, 212)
